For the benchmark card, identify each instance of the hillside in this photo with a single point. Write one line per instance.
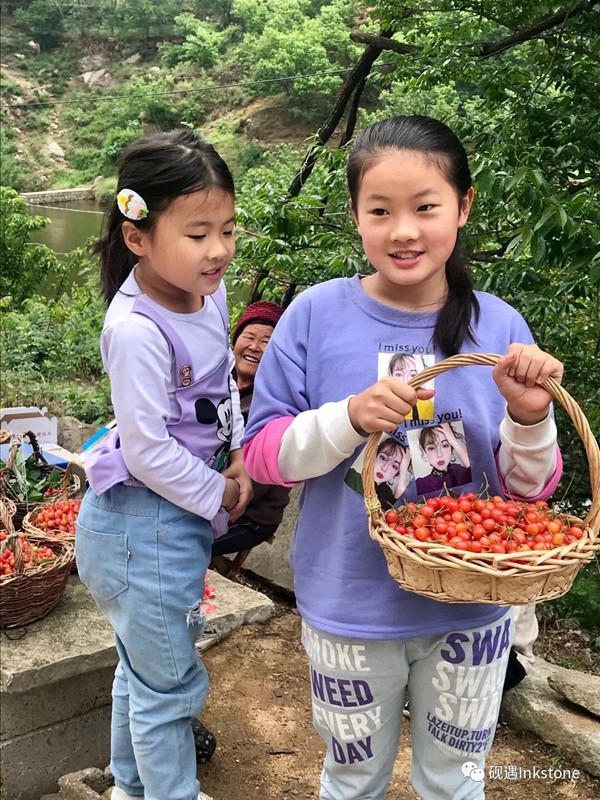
(67, 112)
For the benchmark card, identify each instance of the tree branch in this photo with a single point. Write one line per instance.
(491, 48)
(358, 74)
(383, 43)
(553, 21)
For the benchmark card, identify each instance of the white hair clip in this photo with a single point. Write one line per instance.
(132, 205)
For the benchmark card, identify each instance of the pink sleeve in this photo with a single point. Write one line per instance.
(262, 451)
(548, 489)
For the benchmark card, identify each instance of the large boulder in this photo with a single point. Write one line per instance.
(535, 706)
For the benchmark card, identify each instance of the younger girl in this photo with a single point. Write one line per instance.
(369, 641)
(164, 482)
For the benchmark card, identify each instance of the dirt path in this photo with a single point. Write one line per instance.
(259, 709)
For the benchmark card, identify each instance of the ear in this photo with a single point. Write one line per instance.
(135, 239)
(354, 215)
(465, 207)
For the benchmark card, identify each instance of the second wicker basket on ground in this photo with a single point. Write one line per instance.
(444, 573)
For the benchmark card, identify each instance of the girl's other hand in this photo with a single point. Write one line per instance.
(237, 472)
(384, 405)
(519, 375)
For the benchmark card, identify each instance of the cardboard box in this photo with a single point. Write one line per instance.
(30, 418)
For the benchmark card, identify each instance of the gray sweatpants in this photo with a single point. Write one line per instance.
(454, 683)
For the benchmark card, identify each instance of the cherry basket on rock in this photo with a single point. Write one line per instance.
(33, 572)
(56, 519)
(475, 549)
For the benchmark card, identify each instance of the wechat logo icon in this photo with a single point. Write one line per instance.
(471, 770)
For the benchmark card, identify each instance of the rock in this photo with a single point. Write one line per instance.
(52, 150)
(98, 77)
(154, 72)
(134, 59)
(93, 62)
(34, 47)
(20, 56)
(534, 706)
(72, 433)
(88, 784)
(580, 688)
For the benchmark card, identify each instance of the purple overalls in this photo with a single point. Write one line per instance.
(205, 425)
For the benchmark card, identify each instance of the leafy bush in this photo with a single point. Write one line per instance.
(51, 350)
(115, 141)
(582, 603)
(23, 266)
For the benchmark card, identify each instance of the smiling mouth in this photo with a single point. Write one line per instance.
(407, 255)
(251, 359)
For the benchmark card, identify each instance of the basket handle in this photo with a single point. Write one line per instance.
(16, 444)
(551, 385)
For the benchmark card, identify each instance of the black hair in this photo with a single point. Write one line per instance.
(439, 144)
(160, 167)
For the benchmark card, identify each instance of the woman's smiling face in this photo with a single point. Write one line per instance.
(248, 351)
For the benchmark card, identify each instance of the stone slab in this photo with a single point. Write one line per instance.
(31, 765)
(271, 559)
(75, 639)
(534, 706)
(40, 707)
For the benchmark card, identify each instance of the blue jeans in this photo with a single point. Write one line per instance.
(144, 560)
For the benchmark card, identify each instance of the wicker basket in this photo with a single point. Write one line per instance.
(30, 519)
(27, 597)
(24, 507)
(441, 572)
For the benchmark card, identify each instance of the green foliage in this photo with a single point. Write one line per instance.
(115, 141)
(143, 101)
(28, 478)
(44, 20)
(105, 191)
(300, 241)
(50, 350)
(288, 38)
(239, 154)
(23, 266)
(10, 170)
(582, 603)
(203, 44)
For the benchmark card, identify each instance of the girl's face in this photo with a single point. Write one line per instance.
(408, 217)
(248, 351)
(387, 466)
(185, 256)
(438, 451)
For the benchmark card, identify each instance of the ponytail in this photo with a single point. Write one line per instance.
(460, 312)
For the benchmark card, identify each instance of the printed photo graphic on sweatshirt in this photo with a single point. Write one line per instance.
(405, 366)
(428, 453)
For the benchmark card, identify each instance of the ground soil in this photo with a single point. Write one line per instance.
(259, 709)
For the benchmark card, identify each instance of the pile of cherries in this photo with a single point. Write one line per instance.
(32, 555)
(476, 524)
(59, 517)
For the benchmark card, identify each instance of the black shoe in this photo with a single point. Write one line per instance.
(205, 742)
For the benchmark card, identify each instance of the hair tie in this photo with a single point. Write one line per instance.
(132, 205)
